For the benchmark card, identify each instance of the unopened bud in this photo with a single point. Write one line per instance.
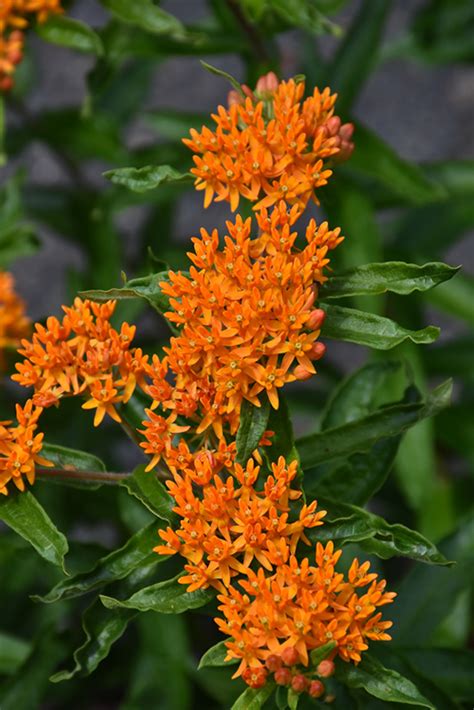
(317, 351)
(301, 373)
(333, 125)
(273, 663)
(299, 683)
(290, 656)
(255, 677)
(316, 689)
(326, 669)
(282, 676)
(267, 84)
(316, 319)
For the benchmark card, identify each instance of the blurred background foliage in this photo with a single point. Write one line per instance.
(127, 101)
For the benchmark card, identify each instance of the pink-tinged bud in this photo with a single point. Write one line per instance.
(346, 145)
(255, 677)
(333, 125)
(273, 663)
(267, 84)
(233, 97)
(316, 689)
(316, 319)
(317, 351)
(301, 373)
(299, 683)
(282, 676)
(346, 131)
(290, 656)
(326, 669)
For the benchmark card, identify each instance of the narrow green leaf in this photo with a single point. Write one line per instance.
(382, 683)
(70, 33)
(13, 652)
(23, 514)
(304, 14)
(224, 75)
(253, 424)
(319, 654)
(348, 523)
(102, 627)
(169, 597)
(293, 699)
(361, 435)
(150, 491)
(394, 276)
(283, 442)
(215, 657)
(71, 460)
(146, 287)
(254, 698)
(147, 178)
(369, 329)
(146, 15)
(137, 552)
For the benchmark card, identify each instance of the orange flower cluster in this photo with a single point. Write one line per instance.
(14, 323)
(82, 355)
(15, 16)
(270, 145)
(247, 318)
(20, 447)
(240, 535)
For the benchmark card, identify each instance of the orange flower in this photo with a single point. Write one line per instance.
(14, 323)
(11, 54)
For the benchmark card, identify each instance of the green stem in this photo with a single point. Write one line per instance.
(92, 476)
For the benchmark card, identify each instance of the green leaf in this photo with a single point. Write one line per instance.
(356, 54)
(369, 329)
(348, 523)
(215, 657)
(136, 553)
(224, 75)
(319, 654)
(147, 178)
(150, 491)
(254, 698)
(70, 33)
(376, 159)
(146, 15)
(382, 683)
(146, 287)
(283, 443)
(13, 652)
(362, 434)
(102, 627)
(253, 424)
(394, 276)
(70, 460)
(169, 597)
(293, 699)
(23, 514)
(304, 14)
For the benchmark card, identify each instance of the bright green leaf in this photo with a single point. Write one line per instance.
(253, 424)
(369, 329)
(147, 178)
(215, 657)
(254, 698)
(169, 597)
(150, 491)
(319, 654)
(70, 33)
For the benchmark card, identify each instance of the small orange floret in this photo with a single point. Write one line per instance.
(14, 324)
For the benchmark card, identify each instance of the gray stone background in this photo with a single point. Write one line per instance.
(425, 112)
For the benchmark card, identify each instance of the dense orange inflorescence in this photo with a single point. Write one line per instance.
(14, 323)
(270, 145)
(15, 16)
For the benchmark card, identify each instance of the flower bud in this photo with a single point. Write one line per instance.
(316, 689)
(316, 319)
(290, 656)
(255, 677)
(301, 373)
(317, 351)
(282, 676)
(299, 683)
(273, 663)
(333, 125)
(326, 669)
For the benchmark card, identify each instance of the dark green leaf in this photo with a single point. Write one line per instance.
(304, 14)
(253, 424)
(361, 435)
(71, 461)
(347, 523)
(137, 552)
(319, 654)
(13, 652)
(382, 683)
(368, 329)
(283, 443)
(451, 668)
(70, 33)
(254, 699)
(102, 627)
(150, 491)
(168, 597)
(215, 656)
(395, 276)
(452, 357)
(146, 15)
(23, 514)
(147, 178)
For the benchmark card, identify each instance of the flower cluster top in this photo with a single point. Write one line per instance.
(14, 323)
(15, 16)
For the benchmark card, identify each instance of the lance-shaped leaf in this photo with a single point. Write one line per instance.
(381, 682)
(13, 652)
(169, 597)
(71, 461)
(253, 424)
(369, 329)
(254, 698)
(23, 514)
(102, 627)
(394, 276)
(147, 178)
(137, 552)
(215, 657)
(348, 523)
(361, 435)
(319, 654)
(150, 491)
(146, 15)
(224, 75)
(70, 33)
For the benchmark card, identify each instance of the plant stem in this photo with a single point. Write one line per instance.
(255, 40)
(95, 476)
